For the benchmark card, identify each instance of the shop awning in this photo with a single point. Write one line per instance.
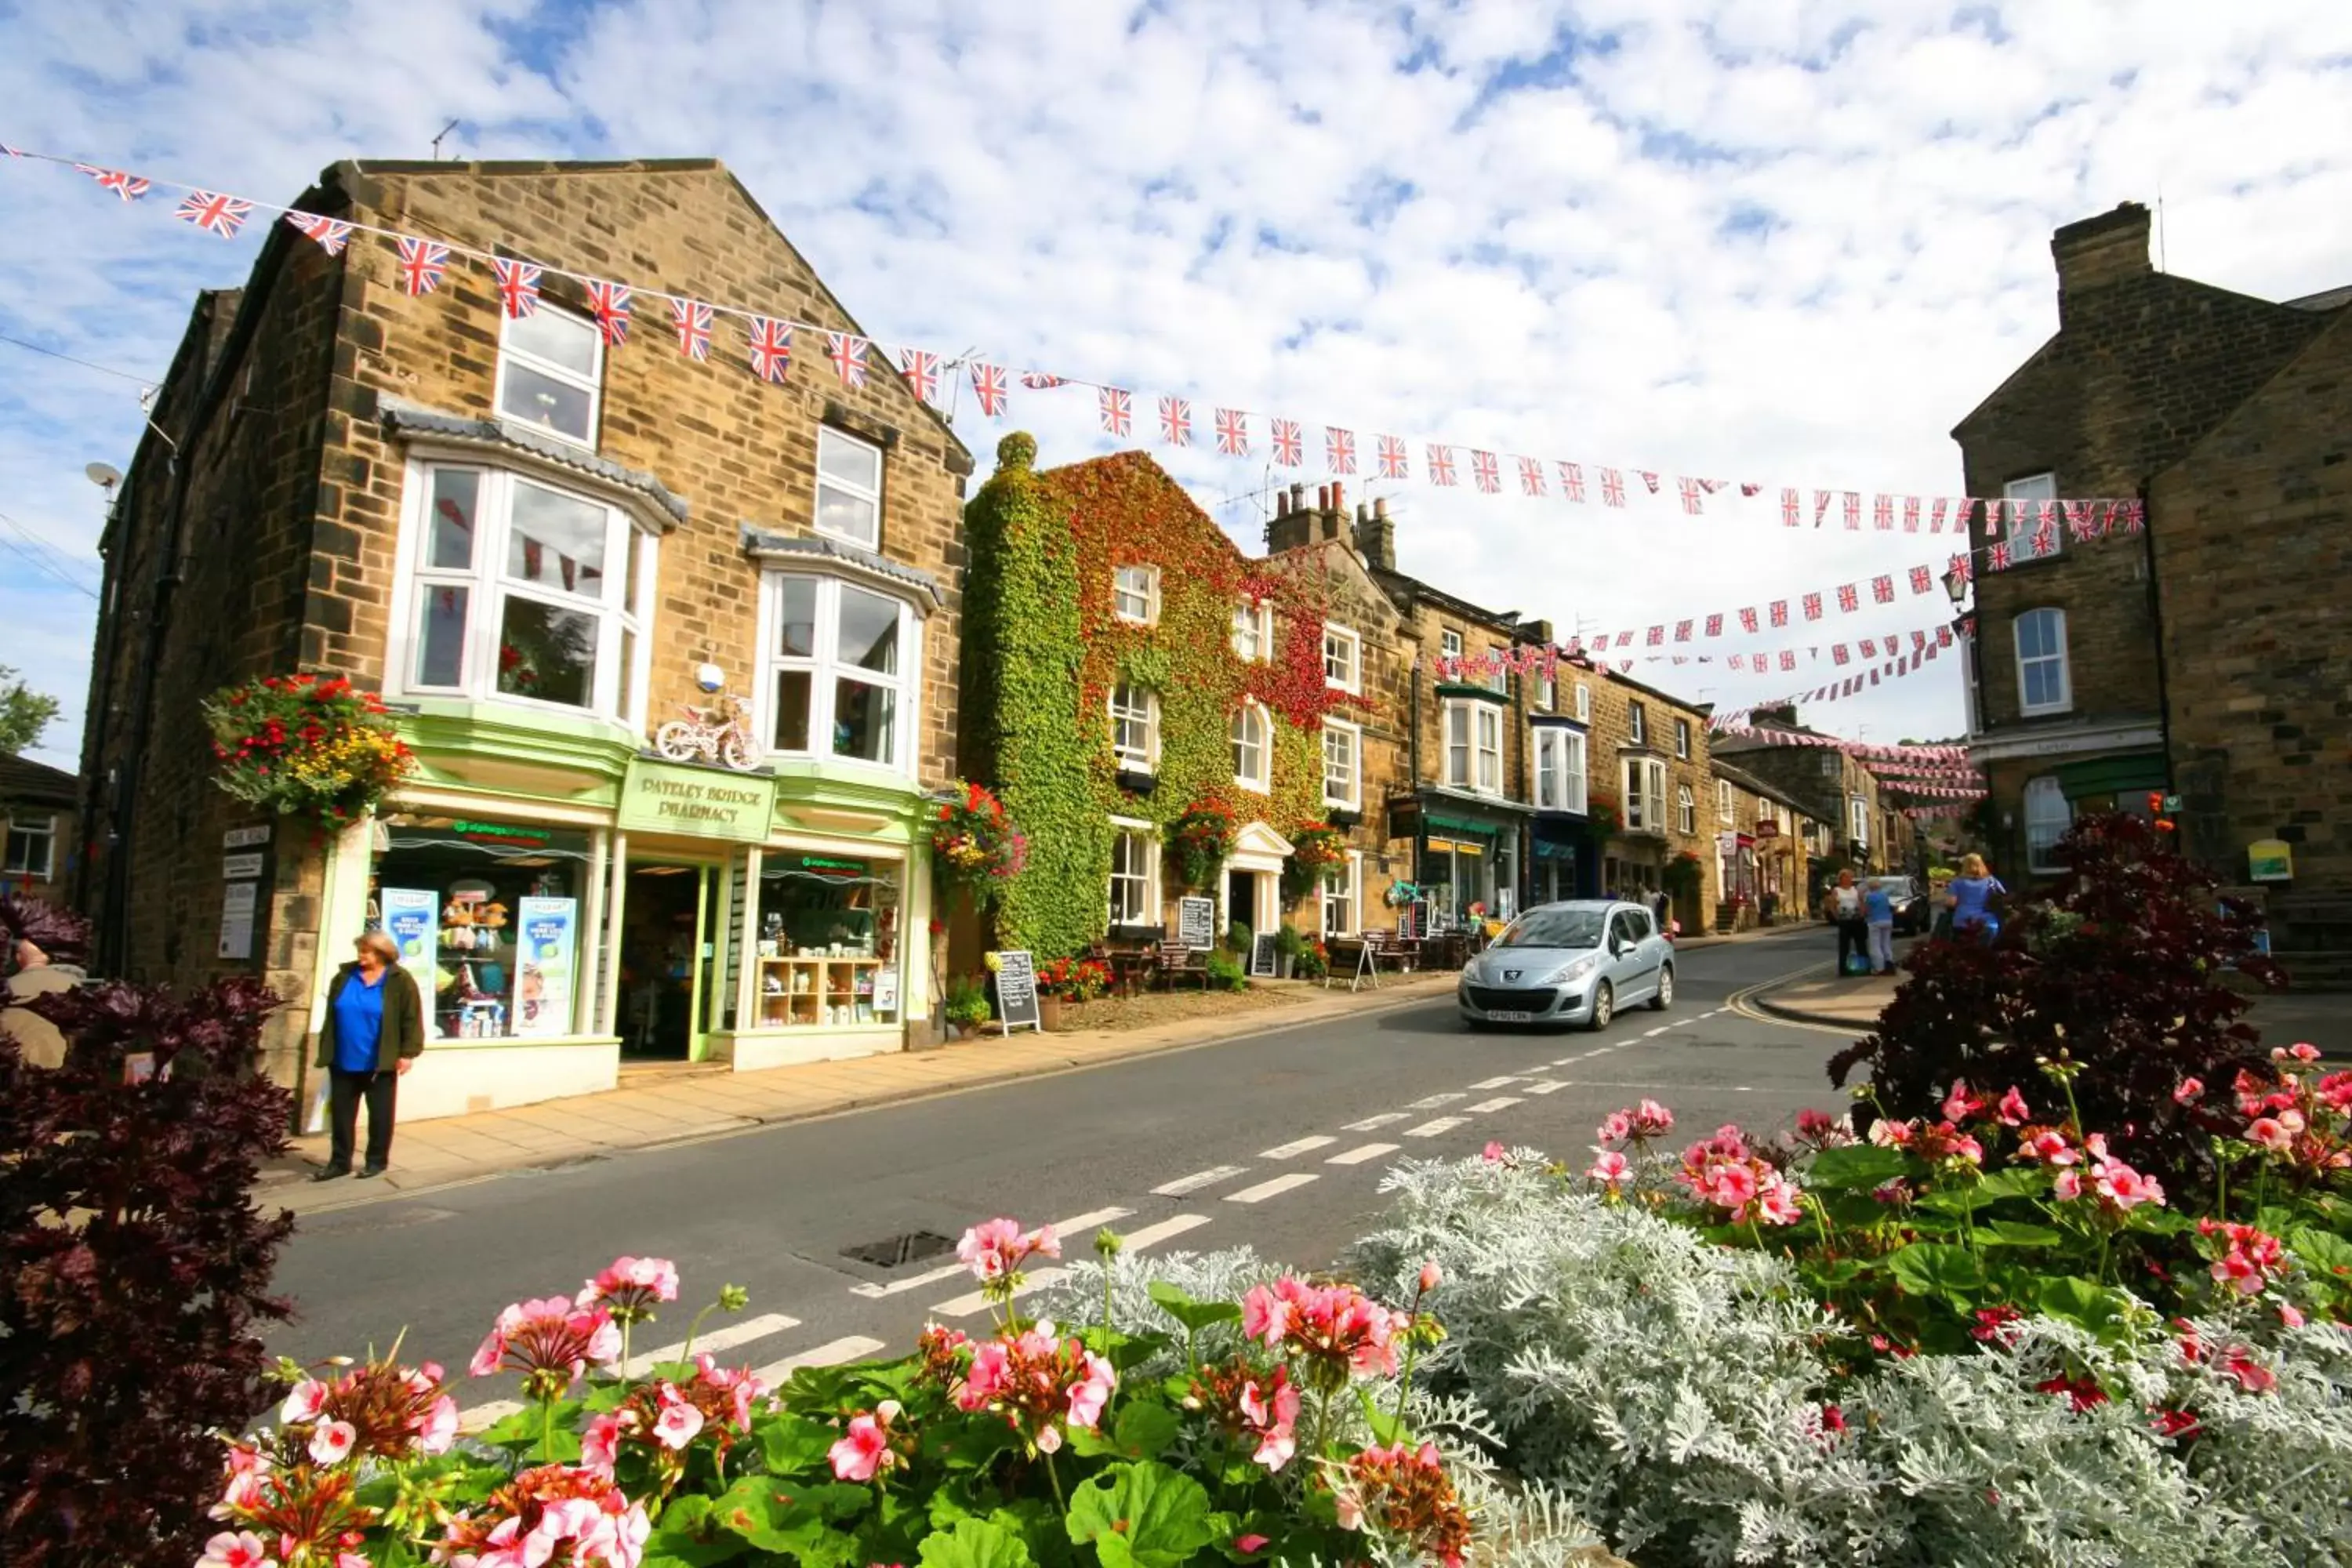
(2125, 774)
(1548, 849)
(1462, 824)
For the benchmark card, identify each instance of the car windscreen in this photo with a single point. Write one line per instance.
(1554, 927)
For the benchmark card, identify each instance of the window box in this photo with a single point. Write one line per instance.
(1135, 783)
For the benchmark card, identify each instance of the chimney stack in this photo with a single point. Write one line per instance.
(1376, 537)
(2096, 251)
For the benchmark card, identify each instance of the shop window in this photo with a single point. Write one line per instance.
(828, 943)
(1340, 889)
(1135, 727)
(1253, 747)
(2043, 679)
(524, 593)
(840, 679)
(1134, 873)
(488, 916)
(1343, 659)
(1560, 783)
(1253, 631)
(2048, 815)
(849, 488)
(32, 847)
(1343, 765)
(550, 365)
(1685, 811)
(2022, 500)
(1135, 593)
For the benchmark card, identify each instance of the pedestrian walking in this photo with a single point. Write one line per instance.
(1973, 898)
(372, 1033)
(1878, 919)
(1842, 905)
(1661, 906)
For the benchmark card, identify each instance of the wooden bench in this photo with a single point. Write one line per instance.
(1178, 961)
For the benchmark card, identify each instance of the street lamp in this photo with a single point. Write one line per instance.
(1956, 584)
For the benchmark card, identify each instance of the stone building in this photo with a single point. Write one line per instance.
(1652, 754)
(1855, 826)
(2204, 657)
(541, 537)
(39, 836)
(1763, 856)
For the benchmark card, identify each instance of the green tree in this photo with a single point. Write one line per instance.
(24, 713)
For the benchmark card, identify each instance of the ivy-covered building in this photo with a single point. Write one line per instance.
(1164, 716)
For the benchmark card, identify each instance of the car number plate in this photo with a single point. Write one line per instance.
(1512, 1017)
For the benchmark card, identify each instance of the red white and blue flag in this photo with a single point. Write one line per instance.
(1118, 411)
(692, 320)
(1692, 503)
(1748, 620)
(518, 285)
(987, 386)
(1571, 482)
(422, 263)
(2078, 520)
(1657, 637)
(1882, 589)
(1289, 447)
(772, 349)
(1812, 607)
(331, 232)
(1484, 471)
(1849, 597)
(1612, 487)
(1233, 433)
(1683, 630)
(1394, 464)
(1041, 380)
(1997, 557)
(1714, 625)
(1788, 658)
(1882, 514)
(611, 302)
(1338, 449)
(1531, 476)
(847, 352)
(1841, 655)
(1649, 478)
(1869, 648)
(1440, 463)
(920, 369)
(1790, 511)
(130, 187)
(210, 210)
(1920, 579)
(1910, 514)
(1176, 421)
(1779, 612)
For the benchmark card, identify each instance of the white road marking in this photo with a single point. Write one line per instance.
(912, 1282)
(1152, 1234)
(1371, 1123)
(1297, 1146)
(1358, 1155)
(1275, 1188)
(1197, 1180)
(1653, 1034)
(1134, 1241)
(720, 1339)
(1743, 1089)
(1069, 1228)
(1432, 1102)
(486, 1415)
(1496, 1082)
(1432, 1129)
(1500, 1102)
(833, 1353)
(1547, 1086)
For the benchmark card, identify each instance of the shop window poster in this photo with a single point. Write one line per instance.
(412, 917)
(550, 938)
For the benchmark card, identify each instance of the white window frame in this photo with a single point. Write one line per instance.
(625, 611)
(2035, 488)
(825, 670)
(1345, 891)
(1459, 768)
(2064, 702)
(510, 351)
(1644, 780)
(1351, 795)
(1253, 718)
(1129, 760)
(2042, 829)
(1685, 811)
(1253, 638)
(1486, 729)
(1449, 646)
(1637, 723)
(824, 481)
(1561, 784)
(1583, 703)
(1547, 694)
(1349, 646)
(1146, 882)
(1857, 813)
(1147, 590)
(45, 833)
(1726, 808)
(1682, 740)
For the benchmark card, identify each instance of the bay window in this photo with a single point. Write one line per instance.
(849, 488)
(1474, 747)
(1645, 795)
(1343, 748)
(521, 592)
(841, 670)
(1135, 727)
(1253, 747)
(1134, 873)
(1559, 769)
(550, 365)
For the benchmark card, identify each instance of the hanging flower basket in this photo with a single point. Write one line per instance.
(307, 747)
(974, 842)
(1315, 848)
(1680, 878)
(1600, 811)
(1204, 839)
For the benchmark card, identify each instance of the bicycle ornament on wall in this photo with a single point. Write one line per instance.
(719, 733)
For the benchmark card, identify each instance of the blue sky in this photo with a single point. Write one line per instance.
(1768, 240)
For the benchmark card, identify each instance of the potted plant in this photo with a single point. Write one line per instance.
(1289, 946)
(966, 1007)
(1313, 963)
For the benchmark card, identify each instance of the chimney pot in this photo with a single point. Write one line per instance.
(2108, 248)
(1338, 496)
(1281, 502)
(1380, 509)
(1298, 494)
(1322, 498)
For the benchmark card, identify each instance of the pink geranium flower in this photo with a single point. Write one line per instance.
(2239, 1361)
(2250, 1259)
(1820, 1129)
(2046, 1145)
(2270, 1133)
(1495, 1153)
(2013, 1110)
(1611, 1169)
(2334, 1091)
(1615, 1128)
(1248, 1545)
(631, 1287)
(1963, 1103)
(995, 1249)
(330, 1442)
(2189, 1091)
(551, 1343)
(304, 1403)
(864, 1450)
(242, 1549)
(1430, 1277)
(679, 1421)
(1272, 1417)
(1652, 1120)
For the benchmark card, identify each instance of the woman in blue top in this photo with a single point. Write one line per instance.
(1969, 897)
(374, 1032)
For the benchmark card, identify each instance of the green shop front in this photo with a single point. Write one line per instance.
(1467, 856)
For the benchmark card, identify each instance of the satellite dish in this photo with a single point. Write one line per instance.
(104, 475)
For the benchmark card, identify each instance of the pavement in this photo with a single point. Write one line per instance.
(842, 1225)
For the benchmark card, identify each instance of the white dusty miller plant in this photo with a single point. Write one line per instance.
(1680, 1395)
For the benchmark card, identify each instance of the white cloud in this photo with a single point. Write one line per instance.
(1790, 242)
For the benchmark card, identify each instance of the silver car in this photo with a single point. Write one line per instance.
(1569, 963)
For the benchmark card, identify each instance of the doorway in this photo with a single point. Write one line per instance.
(665, 942)
(1241, 899)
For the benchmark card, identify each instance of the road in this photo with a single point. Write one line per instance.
(1278, 1140)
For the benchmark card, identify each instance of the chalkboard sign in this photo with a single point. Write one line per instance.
(1016, 990)
(1196, 923)
(1261, 955)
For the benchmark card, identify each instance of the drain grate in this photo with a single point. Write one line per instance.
(896, 1251)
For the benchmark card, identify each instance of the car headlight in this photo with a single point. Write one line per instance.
(1575, 969)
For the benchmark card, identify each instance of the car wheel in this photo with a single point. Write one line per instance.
(1604, 1007)
(1665, 995)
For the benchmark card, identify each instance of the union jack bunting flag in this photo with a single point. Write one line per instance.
(1996, 518)
(1531, 476)
(1838, 654)
(1440, 466)
(690, 319)
(1612, 487)
(1690, 494)
(1748, 620)
(1338, 449)
(1394, 464)
(207, 209)
(1683, 630)
(1910, 514)
(1041, 380)
(1869, 648)
(1820, 507)
(130, 187)
(1963, 508)
(1737, 661)
(2045, 537)
(1176, 421)
(1483, 469)
(1649, 478)
(2078, 520)
(987, 386)
(1571, 482)
(1789, 509)
(1920, 579)
(331, 232)
(1290, 448)
(1874, 677)
(1961, 564)
(1882, 513)
(518, 286)
(1657, 637)
(1997, 557)
(2135, 515)
(920, 370)
(1882, 589)
(1918, 639)
(1943, 637)
(1812, 607)
(611, 303)
(847, 352)
(1714, 625)
(1854, 512)
(1625, 639)
(1117, 410)
(1779, 612)
(1233, 433)
(1749, 489)
(1849, 597)
(1788, 658)
(772, 348)
(422, 263)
